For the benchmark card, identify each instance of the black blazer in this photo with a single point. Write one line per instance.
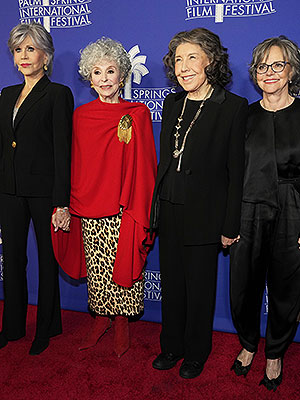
(213, 165)
(35, 150)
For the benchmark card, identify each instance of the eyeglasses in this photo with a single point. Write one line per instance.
(276, 66)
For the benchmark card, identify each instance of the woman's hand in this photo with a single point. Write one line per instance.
(299, 247)
(228, 241)
(61, 219)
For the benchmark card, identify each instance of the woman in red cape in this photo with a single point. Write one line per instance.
(112, 179)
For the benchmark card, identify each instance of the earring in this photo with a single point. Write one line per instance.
(121, 85)
(19, 69)
(92, 85)
(45, 67)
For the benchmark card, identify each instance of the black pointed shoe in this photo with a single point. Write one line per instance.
(190, 369)
(166, 361)
(272, 384)
(240, 369)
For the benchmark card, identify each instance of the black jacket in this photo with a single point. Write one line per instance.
(213, 165)
(35, 149)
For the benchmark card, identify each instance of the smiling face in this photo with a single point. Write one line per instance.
(29, 59)
(190, 61)
(274, 83)
(106, 78)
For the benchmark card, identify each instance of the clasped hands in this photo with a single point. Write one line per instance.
(228, 241)
(61, 219)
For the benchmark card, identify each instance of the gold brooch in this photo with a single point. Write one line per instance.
(125, 128)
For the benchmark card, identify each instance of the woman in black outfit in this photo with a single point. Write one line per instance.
(197, 196)
(35, 138)
(270, 225)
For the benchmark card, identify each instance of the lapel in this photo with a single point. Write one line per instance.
(218, 96)
(173, 111)
(210, 110)
(36, 93)
(173, 114)
(10, 102)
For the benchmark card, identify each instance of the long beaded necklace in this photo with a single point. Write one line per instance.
(178, 153)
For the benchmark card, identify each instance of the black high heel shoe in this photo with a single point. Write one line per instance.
(240, 369)
(272, 384)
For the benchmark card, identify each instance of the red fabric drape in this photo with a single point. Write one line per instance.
(108, 174)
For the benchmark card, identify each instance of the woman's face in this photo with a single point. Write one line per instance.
(190, 61)
(106, 78)
(274, 82)
(29, 59)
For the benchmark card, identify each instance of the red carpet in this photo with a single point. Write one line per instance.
(62, 372)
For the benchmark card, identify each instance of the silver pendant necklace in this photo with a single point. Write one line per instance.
(178, 153)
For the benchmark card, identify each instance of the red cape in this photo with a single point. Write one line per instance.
(105, 175)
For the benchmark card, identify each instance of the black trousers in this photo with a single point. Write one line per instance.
(188, 277)
(16, 213)
(268, 249)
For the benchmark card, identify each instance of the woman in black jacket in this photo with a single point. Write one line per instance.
(197, 196)
(35, 138)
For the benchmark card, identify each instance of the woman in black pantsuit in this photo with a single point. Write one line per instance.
(270, 225)
(35, 138)
(197, 196)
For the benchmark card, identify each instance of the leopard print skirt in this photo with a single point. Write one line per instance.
(105, 297)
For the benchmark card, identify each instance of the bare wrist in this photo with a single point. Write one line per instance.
(61, 208)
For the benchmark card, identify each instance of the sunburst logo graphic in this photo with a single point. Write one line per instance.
(56, 13)
(139, 70)
(152, 97)
(220, 9)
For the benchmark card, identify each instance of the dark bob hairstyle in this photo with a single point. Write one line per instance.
(218, 71)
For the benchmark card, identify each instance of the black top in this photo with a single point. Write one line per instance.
(287, 141)
(272, 151)
(173, 183)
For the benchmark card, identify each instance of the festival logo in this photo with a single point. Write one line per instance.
(220, 9)
(152, 290)
(152, 97)
(55, 13)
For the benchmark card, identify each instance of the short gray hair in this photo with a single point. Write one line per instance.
(104, 48)
(40, 37)
(291, 53)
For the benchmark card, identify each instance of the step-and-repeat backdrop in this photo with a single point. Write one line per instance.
(145, 27)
